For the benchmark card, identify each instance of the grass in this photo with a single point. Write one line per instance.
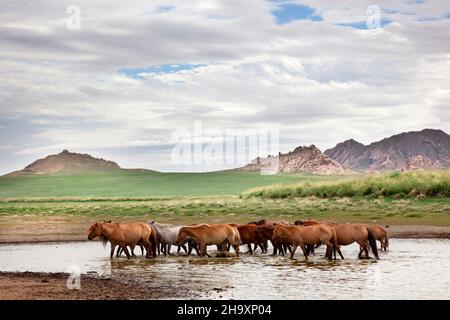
(235, 209)
(43, 207)
(143, 184)
(393, 185)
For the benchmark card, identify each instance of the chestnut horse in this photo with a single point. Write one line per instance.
(210, 234)
(307, 236)
(381, 235)
(348, 233)
(124, 234)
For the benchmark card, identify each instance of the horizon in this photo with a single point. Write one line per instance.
(116, 81)
(237, 166)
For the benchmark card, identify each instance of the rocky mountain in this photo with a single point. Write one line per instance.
(67, 162)
(407, 151)
(302, 159)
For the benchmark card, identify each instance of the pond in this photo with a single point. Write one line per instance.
(411, 269)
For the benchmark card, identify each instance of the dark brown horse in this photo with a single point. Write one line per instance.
(247, 232)
(307, 236)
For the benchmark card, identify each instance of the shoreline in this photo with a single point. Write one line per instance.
(53, 286)
(394, 231)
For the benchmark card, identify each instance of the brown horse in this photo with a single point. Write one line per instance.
(348, 233)
(305, 222)
(124, 234)
(247, 232)
(381, 235)
(270, 222)
(210, 234)
(307, 236)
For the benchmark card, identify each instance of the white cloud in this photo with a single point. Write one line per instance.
(315, 81)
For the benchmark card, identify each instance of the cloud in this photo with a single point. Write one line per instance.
(133, 74)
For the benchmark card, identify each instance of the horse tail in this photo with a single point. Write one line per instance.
(154, 240)
(334, 242)
(372, 243)
(386, 241)
(237, 237)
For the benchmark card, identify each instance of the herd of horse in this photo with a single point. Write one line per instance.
(157, 238)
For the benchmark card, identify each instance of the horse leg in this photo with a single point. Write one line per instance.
(289, 248)
(338, 249)
(132, 250)
(275, 248)
(169, 246)
(125, 249)
(293, 250)
(363, 245)
(236, 249)
(202, 248)
(113, 247)
(142, 249)
(305, 253)
(184, 248)
(249, 245)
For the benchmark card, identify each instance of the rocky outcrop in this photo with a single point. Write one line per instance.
(420, 162)
(302, 159)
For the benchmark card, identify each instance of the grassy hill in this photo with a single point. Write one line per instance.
(400, 185)
(143, 183)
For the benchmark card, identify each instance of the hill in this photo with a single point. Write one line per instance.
(413, 150)
(67, 162)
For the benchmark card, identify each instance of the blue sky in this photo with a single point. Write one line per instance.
(287, 12)
(163, 68)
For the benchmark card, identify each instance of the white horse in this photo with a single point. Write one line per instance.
(167, 235)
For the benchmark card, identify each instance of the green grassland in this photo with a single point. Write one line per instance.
(235, 209)
(49, 203)
(143, 184)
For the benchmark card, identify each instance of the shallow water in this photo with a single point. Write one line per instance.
(411, 269)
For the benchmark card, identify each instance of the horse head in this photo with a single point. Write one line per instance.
(95, 230)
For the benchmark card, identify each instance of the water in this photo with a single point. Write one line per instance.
(411, 269)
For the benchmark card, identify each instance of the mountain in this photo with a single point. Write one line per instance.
(413, 150)
(66, 162)
(302, 159)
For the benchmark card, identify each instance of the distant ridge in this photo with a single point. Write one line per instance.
(415, 150)
(66, 162)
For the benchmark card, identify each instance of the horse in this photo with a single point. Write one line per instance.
(348, 233)
(167, 235)
(268, 222)
(264, 234)
(210, 234)
(247, 232)
(381, 235)
(307, 235)
(305, 222)
(124, 234)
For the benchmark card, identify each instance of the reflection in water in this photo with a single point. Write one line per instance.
(413, 269)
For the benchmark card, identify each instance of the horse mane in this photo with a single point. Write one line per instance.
(104, 239)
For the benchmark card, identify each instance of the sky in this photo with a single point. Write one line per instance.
(119, 84)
